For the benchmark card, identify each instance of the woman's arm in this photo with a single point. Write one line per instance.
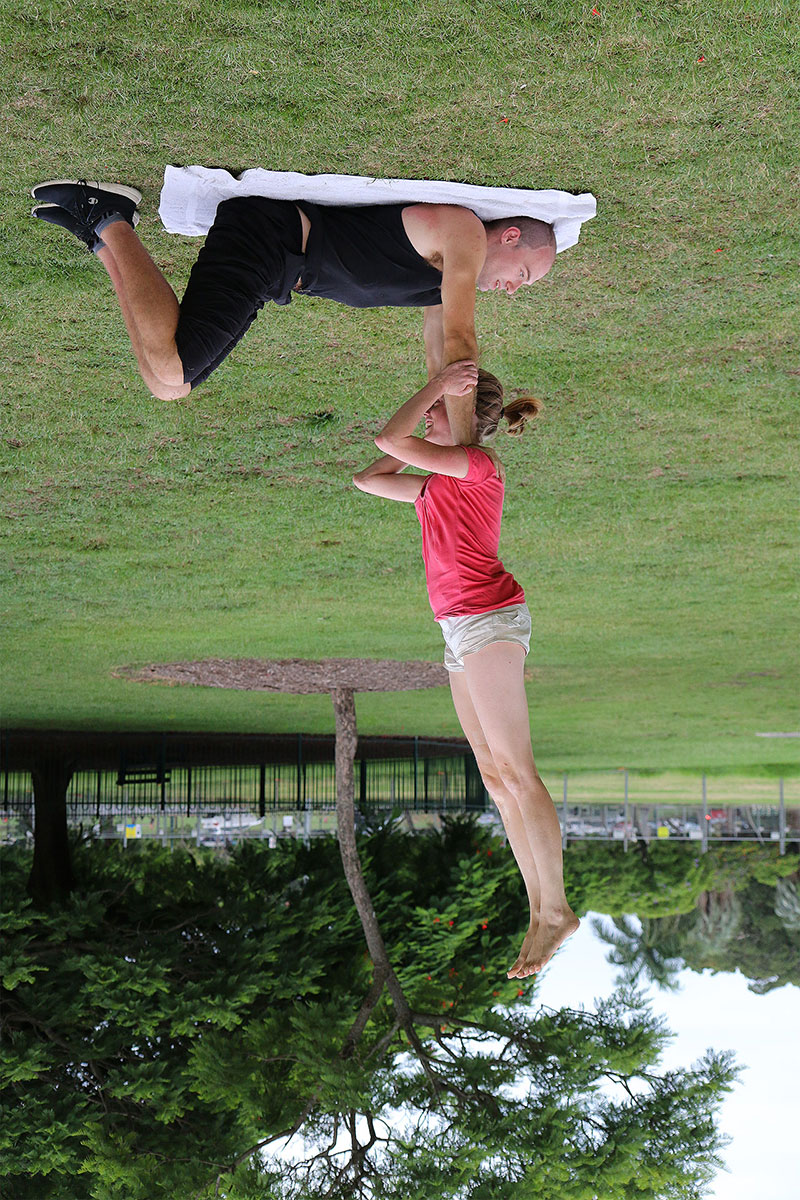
(397, 436)
(382, 478)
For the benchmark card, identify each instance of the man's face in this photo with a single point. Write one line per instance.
(509, 265)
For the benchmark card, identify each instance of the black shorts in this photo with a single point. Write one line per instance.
(252, 254)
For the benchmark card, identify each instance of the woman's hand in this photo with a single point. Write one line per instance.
(499, 469)
(458, 378)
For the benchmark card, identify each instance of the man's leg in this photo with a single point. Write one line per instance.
(494, 677)
(103, 216)
(251, 254)
(149, 308)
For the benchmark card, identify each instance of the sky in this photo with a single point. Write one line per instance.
(762, 1113)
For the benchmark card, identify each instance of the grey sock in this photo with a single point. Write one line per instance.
(104, 222)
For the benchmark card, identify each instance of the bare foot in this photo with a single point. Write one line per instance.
(554, 928)
(521, 967)
(542, 940)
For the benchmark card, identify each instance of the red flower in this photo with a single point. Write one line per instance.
(595, 13)
(702, 58)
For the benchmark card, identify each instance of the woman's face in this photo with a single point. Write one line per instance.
(437, 425)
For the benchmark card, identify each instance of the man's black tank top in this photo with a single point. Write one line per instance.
(362, 257)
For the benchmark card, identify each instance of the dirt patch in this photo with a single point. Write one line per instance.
(299, 676)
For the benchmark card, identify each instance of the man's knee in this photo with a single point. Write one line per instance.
(167, 368)
(165, 377)
(166, 391)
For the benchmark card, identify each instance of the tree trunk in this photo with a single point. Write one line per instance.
(346, 742)
(51, 879)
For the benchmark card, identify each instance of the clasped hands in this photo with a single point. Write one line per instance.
(457, 379)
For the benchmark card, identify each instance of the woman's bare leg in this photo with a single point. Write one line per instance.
(507, 807)
(149, 307)
(494, 677)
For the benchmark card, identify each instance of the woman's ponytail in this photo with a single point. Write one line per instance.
(489, 408)
(519, 412)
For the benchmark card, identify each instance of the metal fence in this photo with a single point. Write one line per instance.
(420, 784)
(211, 805)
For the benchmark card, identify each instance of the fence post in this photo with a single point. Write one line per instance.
(299, 804)
(781, 819)
(704, 816)
(262, 791)
(416, 765)
(625, 818)
(564, 807)
(188, 791)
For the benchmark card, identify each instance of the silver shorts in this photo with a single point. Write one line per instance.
(465, 635)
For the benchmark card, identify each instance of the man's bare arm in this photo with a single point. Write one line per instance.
(433, 336)
(458, 343)
(463, 254)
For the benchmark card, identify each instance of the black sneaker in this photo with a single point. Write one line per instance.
(60, 216)
(89, 203)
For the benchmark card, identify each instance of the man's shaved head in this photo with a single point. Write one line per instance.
(519, 250)
(533, 234)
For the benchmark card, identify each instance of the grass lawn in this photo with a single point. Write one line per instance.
(653, 516)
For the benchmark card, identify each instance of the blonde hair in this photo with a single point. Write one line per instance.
(489, 409)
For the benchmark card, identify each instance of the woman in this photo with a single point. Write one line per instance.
(484, 619)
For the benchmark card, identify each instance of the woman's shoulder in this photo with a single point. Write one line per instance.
(481, 466)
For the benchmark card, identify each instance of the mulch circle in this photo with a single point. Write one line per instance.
(299, 676)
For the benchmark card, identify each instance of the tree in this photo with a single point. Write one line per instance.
(746, 919)
(508, 1104)
(51, 879)
(643, 948)
(168, 1029)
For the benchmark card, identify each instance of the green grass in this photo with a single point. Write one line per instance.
(652, 518)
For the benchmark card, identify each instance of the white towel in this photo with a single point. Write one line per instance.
(190, 196)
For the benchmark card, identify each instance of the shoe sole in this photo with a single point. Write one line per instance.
(35, 211)
(118, 189)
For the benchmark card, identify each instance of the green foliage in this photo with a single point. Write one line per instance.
(659, 878)
(187, 1009)
(740, 915)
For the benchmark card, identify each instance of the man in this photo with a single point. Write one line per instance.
(428, 255)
